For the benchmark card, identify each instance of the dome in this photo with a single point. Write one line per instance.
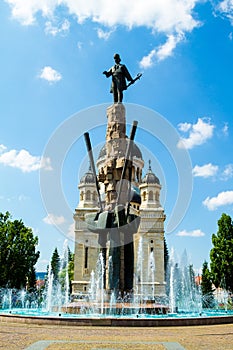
(135, 152)
(88, 177)
(150, 177)
(102, 152)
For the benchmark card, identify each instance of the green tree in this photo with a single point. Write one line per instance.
(206, 287)
(178, 284)
(221, 255)
(166, 258)
(189, 281)
(166, 266)
(55, 264)
(69, 268)
(192, 277)
(18, 254)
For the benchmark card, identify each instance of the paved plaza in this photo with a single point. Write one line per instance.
(17, 336)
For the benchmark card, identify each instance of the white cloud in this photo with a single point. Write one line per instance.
(226, 9)
(71, 233)
(53, 29)
(167, 49)
(228, 172)
(147, 61)
(50, 74)
(2, 148)
(19, 198)
(43, 261)
(22, 198)
(230, 36)
(52, 219)
(223, 198)
(199, 133)
(184, 127)
(209, 170)
(79, 45)
(23, 160)
(25, 10)
(193, 233)
(205, 171)
(104, 34)
(162, 52)
(225, 129)
(164, 16)
(172, 18)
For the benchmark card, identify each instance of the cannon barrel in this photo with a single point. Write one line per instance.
(90, 154)
(127, 157)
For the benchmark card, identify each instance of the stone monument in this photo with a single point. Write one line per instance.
(114, 226)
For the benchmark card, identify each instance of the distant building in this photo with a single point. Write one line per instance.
(40, 279)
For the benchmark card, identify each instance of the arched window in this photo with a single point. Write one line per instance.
(144, 196)
(157, 196)
(88, 195)
(94, 196)
(151, 245)
(138, 174)
(86, 258)
(151, 196)
(133, 174)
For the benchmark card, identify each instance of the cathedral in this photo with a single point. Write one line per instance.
(148, 241)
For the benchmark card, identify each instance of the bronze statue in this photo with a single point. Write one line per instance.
(119, 74)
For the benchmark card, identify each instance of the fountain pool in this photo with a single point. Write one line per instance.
(139, 320)
(183, 304)
(20, 306)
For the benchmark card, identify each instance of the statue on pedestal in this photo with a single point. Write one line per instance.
(114, 223)
(119, 74)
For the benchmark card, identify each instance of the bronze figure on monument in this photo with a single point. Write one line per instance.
(119, 74)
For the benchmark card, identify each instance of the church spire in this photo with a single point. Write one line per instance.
(150, 170)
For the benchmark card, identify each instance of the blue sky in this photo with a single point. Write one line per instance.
(52, 90)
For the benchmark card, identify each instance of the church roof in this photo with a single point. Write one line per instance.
(135, 151)
(88, 177)
(150, 177)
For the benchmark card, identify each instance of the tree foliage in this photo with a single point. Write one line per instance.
(70, 265)
(55, 264)
(206, 287)
(61, 266)
(221, 255)
(67, 268)
(166, 266)
(166, 258)
(18, 254)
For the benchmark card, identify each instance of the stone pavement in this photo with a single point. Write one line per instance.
(17, 336)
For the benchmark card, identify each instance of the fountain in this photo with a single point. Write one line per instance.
(184, 302)
(184, 294)
(125, 284)
(57, 293)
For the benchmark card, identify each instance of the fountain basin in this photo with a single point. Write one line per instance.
(65, 319)
(118, 309)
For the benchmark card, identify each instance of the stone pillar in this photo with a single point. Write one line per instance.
(110, 174)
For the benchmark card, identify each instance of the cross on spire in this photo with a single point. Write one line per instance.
(150, 165)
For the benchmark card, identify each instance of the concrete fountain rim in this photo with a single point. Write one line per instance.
(116, 321)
